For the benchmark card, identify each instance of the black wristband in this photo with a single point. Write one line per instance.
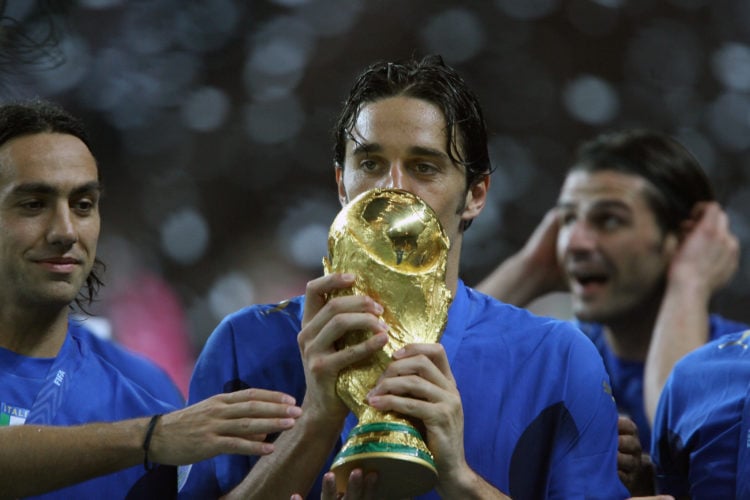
(147, 441)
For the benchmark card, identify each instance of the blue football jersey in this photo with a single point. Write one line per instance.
(78, 386)
(539, 418)
(699, 420)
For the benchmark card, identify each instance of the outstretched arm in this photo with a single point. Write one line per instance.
(705, 261)
(530, 273)
(54, 457)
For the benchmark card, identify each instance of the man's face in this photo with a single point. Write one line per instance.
(49, 219)
(400, 143)
(610, 246)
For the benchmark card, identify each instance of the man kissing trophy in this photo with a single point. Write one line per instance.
(394, 243)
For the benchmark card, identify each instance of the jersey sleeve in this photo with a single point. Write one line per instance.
(698, 428)
(743, 454)
(237, 356)
(215, 366)
(589, 450)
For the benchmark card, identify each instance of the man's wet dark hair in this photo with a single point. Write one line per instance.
(678, 180)
(431, 80)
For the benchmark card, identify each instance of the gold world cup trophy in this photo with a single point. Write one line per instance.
(394, 243)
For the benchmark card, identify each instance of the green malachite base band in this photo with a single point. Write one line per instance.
(385, 438)
(396, 451)
(381, 448)
(384, 427)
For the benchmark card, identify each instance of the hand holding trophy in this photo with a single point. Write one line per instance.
(394, 243)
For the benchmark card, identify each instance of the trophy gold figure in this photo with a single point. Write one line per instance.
(394, 243)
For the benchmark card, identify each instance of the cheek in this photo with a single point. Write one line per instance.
(89, 233)
(352, 184)
(643, 264)
(21, 236)
(561, 244)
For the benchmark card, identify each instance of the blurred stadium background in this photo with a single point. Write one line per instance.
(211, 122)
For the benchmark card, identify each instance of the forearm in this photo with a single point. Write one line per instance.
(467, 484)
(37, 459)
(515, 281)
(298, 458)
(681, 326)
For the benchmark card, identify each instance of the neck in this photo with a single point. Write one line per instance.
(628, 345)
(630, 337)
(33, 334)
(451, 267)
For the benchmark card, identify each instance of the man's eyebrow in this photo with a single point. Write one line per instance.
(44, 188)
(566, 204)
(373, 147)
(89, 187)
(598, 204)
(425, 151)
(366, 148)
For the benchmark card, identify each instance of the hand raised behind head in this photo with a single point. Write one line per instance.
(541, 251)
(708, 254)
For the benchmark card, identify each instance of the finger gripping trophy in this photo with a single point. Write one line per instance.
(394, 243)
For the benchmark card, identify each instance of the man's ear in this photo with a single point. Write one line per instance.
(343, 198)
(476, 198)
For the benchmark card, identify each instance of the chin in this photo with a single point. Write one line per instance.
(60, 295)
(588, 314)
(586, 317)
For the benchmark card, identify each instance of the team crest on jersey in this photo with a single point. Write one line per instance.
(742, 341)
(277, 308)
(12, 415)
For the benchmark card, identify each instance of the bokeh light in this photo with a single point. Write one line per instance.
(211, 121)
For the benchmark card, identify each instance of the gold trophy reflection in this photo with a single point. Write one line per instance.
(394, 243)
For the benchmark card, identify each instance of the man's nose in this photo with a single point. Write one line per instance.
(579, 237)
(62, 230)
(396, 178)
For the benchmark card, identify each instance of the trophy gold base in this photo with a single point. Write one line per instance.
(395, 451)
